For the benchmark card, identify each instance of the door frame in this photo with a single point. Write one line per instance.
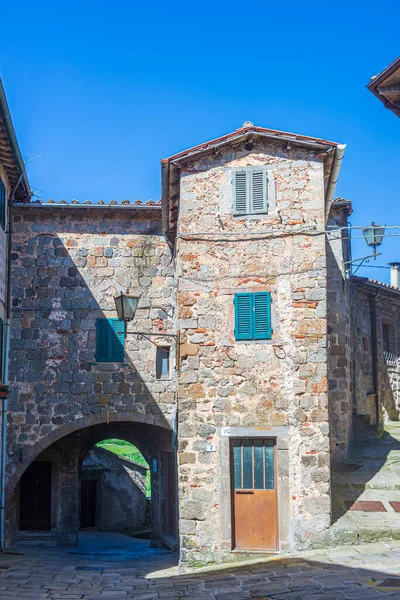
(232, 439)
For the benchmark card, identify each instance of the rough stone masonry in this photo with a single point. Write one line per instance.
(229, 388)
(68, 264)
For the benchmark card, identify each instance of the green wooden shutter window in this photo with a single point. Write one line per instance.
(262, 316)
(243, 317)
(110, 337)
(1, 349)
(117, 340)
(240, 193)
(2, 204)
(253, 316)
(258, 191)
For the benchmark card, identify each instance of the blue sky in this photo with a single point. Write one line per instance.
(105, 89)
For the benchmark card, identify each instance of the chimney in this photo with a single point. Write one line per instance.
(395, 274)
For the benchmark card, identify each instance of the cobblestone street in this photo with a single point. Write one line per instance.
(367, 571)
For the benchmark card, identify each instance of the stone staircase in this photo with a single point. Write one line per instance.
(371, 473)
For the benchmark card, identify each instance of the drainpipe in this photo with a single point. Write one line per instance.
(374, 355)
(5, 370)
(334, 176)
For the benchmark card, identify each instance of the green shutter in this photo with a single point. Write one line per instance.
(102, 335)
(1, 349)
(240, 193)
(262, 316)
(258, 191)
(117, 338)
(2, 204)
(110, 337)
(253, 316)
(243, 317)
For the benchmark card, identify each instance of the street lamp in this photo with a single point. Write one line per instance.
(374, 236)
(126, 305)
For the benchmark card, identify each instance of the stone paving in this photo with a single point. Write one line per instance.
(377, 478)
(366, 572)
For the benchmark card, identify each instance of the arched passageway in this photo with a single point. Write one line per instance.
(67, 486)
(115, 489)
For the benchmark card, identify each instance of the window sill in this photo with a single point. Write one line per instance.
(269, 342)
(110, 362)
(252, 216)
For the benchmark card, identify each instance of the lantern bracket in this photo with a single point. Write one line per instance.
(347, 271)
(147, 336)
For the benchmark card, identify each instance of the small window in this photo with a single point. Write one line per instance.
(163, 363)
(253, 316)
(253, 464)
(250, 191)
(110, 340)
(389, 342)
(2, 204)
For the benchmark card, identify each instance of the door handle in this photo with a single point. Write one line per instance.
(244, 491)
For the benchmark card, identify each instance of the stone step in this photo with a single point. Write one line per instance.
(384, 496)
(358, 528)
(36, 538)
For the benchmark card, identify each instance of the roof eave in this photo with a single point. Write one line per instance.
(5, 112)
(375, 82)
(363, 282)
(241, 134)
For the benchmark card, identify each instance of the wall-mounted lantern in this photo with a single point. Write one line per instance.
(126, 305)
(374, 236)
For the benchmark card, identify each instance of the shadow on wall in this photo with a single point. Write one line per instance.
(62, 284)
(112, 492)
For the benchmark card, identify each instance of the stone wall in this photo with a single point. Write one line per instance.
(3, 277)
(386, 389)
(339, 333)
(271, 386)
(68, 263)
(3, 250)
(121, 490)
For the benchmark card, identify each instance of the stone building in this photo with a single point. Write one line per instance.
(241, 266)
(112, 492)
(13, 185)
(77, 379)
(376, 339)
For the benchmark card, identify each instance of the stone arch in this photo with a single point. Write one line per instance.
(74, 427)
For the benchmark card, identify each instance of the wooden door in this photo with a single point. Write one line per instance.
(169, 494)
(35, 497)
(88, 503)
(255, 502)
